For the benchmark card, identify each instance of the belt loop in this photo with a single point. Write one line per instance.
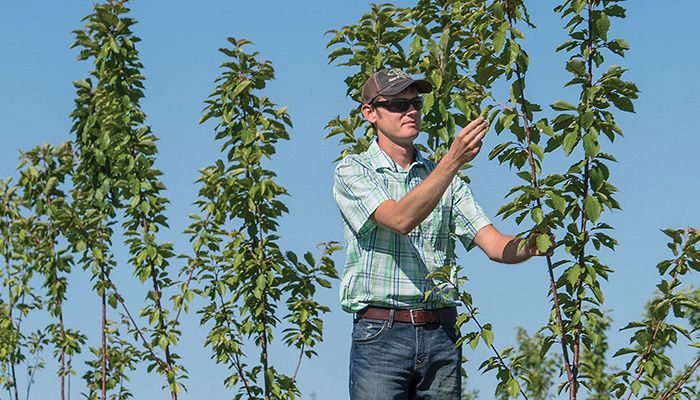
(391, 317)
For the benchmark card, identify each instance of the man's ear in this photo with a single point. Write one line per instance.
(370, 113)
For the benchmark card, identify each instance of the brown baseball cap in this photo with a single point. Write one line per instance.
(390, 82)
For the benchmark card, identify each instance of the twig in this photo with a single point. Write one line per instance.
(681, 381)
(190, 274)
(296, 370)
(30, 378)
(647, 352)
(161, 322)
(472, 315)
(236, 361)
(135, 325)
(104, 339)
(263, 337)
(550, 267)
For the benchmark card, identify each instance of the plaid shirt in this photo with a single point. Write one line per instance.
(385, 268)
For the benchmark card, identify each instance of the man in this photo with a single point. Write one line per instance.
(400, 212)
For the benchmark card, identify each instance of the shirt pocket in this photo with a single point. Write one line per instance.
(435, 229)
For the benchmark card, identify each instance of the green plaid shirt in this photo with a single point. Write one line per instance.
(385, 268)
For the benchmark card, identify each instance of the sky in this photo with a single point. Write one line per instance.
(657, 173)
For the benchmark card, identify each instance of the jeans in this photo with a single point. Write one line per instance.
(402, 361)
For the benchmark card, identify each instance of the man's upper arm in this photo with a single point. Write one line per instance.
(358, 190)
(468, 216)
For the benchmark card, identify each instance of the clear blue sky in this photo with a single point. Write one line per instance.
(657, 174)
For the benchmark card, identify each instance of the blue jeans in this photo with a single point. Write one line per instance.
(401, 361)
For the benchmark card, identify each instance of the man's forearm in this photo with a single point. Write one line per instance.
(515, 251)
(404, 215)
(502, 248)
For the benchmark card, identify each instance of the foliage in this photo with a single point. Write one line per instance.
(120, 357)
(70, 201)
(486, 51)
(653, 370)
(536, 369)
(244, 275)
(18, 296)
(43, 172)
(435, 49)
(462, 64)
(585, 185)
(115, 153)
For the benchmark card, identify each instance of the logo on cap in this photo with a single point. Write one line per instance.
(396, 73)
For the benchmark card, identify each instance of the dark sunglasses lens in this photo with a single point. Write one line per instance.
(402, 105)
(417, 103)
(397, 105)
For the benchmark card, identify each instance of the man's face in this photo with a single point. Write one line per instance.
(399, 127)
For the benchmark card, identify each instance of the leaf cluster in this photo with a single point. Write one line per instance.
(244, 275)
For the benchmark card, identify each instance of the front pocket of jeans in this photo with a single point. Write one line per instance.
(367, 330)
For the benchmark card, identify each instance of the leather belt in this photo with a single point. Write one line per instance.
(415, 317)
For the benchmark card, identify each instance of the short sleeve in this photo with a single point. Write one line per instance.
(468, 216)
(358, 190)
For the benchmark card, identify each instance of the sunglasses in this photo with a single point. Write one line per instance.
(400, 105)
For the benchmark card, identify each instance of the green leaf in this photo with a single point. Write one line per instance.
(82, 84)
(537, 150)
(80, 246)
(342, 51)
(474, 342)
(602, 25)
(635, 386)
(512, 387)
(572, 274)
(592, 207)
(615, 11)
(558, 202)
(499, 37)
(444, 40)
(623, 103)
(239, 88)
(461, 319)
(537, 215)
(543, 242)
(570, 141)
(591, 145)
(576, 66)
(163, 342)
(488, 336)
(561, 105)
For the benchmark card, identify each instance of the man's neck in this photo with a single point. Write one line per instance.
(402, 154)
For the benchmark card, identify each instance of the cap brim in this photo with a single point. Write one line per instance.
(422, 86)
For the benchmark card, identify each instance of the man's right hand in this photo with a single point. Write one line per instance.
(467, 143)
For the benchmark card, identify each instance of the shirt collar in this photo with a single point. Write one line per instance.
(382, 160)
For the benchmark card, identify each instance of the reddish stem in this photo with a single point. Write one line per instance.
(104, 339)
(571, 377)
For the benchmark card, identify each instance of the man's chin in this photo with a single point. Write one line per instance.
(412, 132)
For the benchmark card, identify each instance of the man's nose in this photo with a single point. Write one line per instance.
(412, 108)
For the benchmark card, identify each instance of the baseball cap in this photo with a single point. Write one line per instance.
(390, 82)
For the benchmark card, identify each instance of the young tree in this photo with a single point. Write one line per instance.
(649, 368)
(43, 173)
(18, 295)
(115, 171)
(488, 50)
(244, 274)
